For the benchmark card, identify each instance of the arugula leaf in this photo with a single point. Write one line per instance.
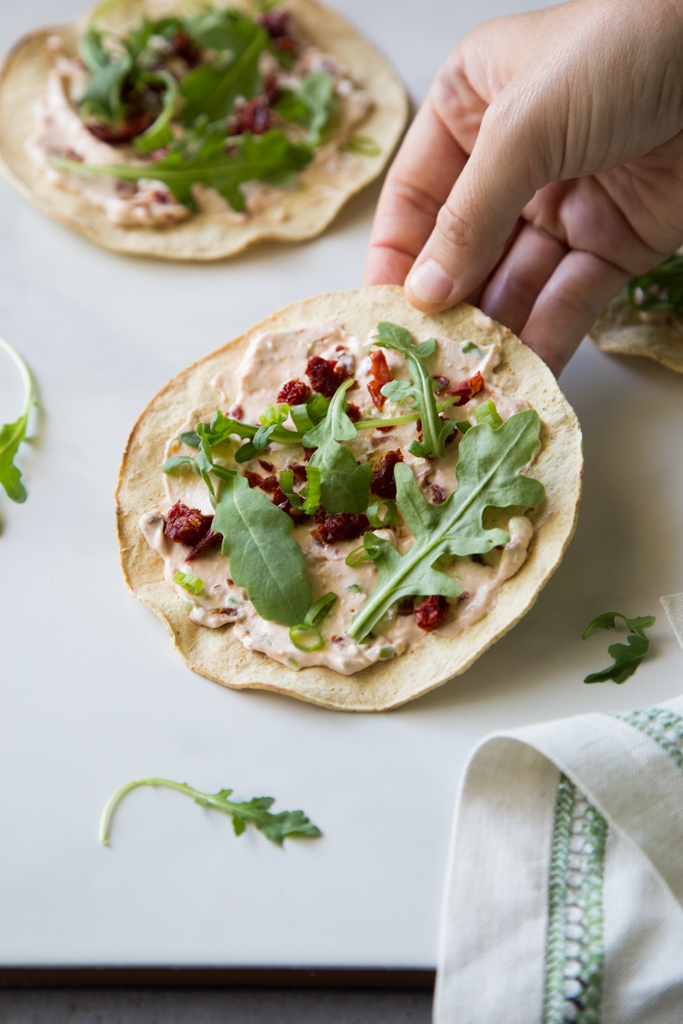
(420, 389)
(662, 287)
(12, 434)
(264, 558)
(345, 486)
(212, 91)
(275, 827)
(312, 104)
(628, 656)
(489, 474)
(103, 94)
(159, 132)
(270, 157)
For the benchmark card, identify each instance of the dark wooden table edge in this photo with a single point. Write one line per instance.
(214, 977)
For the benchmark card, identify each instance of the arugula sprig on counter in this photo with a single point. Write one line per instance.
(12, 434)
(489, 475)
(345, 486)
(628, 656)
(275, 827)
(420, 389)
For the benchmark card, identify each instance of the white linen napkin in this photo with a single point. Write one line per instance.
(564, 892)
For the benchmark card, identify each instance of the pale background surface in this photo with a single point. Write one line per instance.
(94, 696)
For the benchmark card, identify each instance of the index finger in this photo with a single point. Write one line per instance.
(417, 185)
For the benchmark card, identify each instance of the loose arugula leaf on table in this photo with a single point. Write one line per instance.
(270, 158)
(420, 389)
(489, 474)
(12, 434)
(275, 827)
(311, 105)
(668, 279)
(264, 558)
(345, 486)
(212, 90)
(628, 656)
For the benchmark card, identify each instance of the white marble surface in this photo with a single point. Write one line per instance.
(93, 695)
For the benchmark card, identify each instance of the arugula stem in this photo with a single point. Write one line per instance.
(26, 378)
(108, 812)
(410, 417)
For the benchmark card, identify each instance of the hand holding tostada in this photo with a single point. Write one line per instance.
(350, 502)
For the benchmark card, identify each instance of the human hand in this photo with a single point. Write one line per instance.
(544, 169)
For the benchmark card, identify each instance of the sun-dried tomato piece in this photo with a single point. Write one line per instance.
(253, 479)
(381, 374)
(123, 131)
(294, 392)
(282, 501)
(204, 545)
(186, 525)
(338, 526)
(466, 389)
(183, 47)
(325, 375)
(271, 90)
(298, 470)
(383, 482)
(268, 484)
(353, 412)
(406, 606)
(255, 117)
(308, 453)
(268, 466)
(276, 22)
(443, 382)
(431, 613)
(438, 494)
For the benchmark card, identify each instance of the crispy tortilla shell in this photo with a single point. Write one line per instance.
(214, 652)
(621, 331)
(309, 206)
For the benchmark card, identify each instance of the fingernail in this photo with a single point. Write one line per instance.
(429, 282)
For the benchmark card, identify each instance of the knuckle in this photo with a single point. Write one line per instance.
(455, 231)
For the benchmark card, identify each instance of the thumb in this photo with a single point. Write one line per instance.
(499, 179)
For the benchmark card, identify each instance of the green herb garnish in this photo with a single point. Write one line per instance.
(311, 105)
(12, 434)
(308, 628)
(487, 413)
(189, 582)
(275, 827)
(628, 656)
(309, 499)
(420, 388)
(662, 288)
(489, 475)
(264, 558)
(389, 514)
(363, 145)
(345, 486)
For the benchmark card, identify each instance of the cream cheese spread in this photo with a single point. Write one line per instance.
(273, 358)
(60, 132)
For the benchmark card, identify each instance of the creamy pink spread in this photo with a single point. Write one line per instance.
(273, 358)
(60, 132)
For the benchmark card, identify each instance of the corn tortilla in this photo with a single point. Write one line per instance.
(214, 652)
(203, 236)
(621, 331)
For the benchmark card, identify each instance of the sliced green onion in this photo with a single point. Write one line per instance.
(159, 132)
(487, 413)
(287, 488)
(314, 480)
(296, 634)
(355, 586)
(358, 555)
(386, 652)
(362, 144)
(317, 406)
(373, 513)
(302, 421)
(317, 612)
(463, 426)
(189, 582)
(274, 415)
